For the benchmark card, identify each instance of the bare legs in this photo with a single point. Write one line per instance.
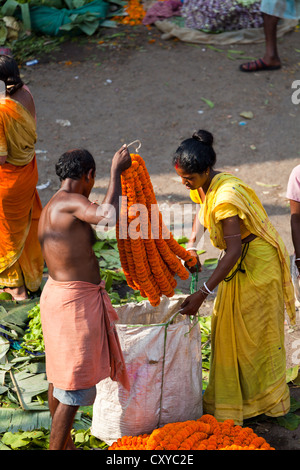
(62, 422)
(271, 56)
(270, 60)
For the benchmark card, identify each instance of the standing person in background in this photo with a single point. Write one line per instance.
(248, 363)
(293, 194)
(272, 11)
(21, 260)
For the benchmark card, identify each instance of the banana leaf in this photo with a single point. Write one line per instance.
(29, 386)
(15, 420)
(3, 33)
(20, 10)
(14, 315)
(4, 347)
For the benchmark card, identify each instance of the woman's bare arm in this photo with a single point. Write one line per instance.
(232, 236)
(295, 227)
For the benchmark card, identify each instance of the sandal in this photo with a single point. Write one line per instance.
(257, 66)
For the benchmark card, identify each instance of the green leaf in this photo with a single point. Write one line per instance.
(210, 263)
(290, 421)
(3, 446)
(295, 405)
(15, 441)
(182, 240)
(233, 51)
(21, 439)
(292, 373)
(30, 385)
(14, 420)
(98, 246)
(16, 313)
(5, 296)
(213, 48)
(4, 347)
(208, 102)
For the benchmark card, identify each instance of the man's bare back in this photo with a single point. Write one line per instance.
(67, 242)
(65, 231)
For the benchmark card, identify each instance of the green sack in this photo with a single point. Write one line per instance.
(53, 21)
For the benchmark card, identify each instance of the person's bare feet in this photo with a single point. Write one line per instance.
(18, 293)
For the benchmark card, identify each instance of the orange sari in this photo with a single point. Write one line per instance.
(21, 260)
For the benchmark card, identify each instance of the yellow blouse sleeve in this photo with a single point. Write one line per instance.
(195, 196)
(223, 211)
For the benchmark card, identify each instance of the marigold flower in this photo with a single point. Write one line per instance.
(189, 435)
(135, 13)
(149, 263)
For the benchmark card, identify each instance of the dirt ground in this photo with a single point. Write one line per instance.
(114, 90)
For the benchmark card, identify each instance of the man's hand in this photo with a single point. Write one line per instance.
(121, 160)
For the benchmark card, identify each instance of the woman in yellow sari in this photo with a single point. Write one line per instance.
(21, 261)
(248, 363)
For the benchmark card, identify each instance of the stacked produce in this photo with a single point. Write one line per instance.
(205, 433)
(152, 259)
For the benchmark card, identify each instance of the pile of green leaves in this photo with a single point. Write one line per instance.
(205, 327)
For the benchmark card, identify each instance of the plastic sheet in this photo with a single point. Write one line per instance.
(243, 36)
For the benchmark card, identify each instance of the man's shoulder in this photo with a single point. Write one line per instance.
(65, 199)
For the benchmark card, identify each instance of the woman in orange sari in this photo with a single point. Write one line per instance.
(21, 261)
(248, 363)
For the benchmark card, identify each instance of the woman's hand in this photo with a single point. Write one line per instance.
(197, 266)
(3, 159)
(192, 303)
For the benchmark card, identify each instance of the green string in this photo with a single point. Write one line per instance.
(194, 282)
(193, 288)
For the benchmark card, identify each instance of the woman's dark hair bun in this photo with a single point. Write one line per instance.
(196, 154)
(203, 136)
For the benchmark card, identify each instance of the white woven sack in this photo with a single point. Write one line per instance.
(165, 371)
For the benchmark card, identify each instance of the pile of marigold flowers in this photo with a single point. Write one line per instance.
(205, 433)
(151, 259)
(134, 13)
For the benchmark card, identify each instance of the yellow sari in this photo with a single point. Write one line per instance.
(248, 362)
(21, 260)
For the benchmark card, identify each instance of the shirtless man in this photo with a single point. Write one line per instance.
(66, 238)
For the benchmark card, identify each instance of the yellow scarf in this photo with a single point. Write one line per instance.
(226, 191)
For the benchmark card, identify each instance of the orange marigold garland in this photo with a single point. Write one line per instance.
(205, 433)
(150, 257)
